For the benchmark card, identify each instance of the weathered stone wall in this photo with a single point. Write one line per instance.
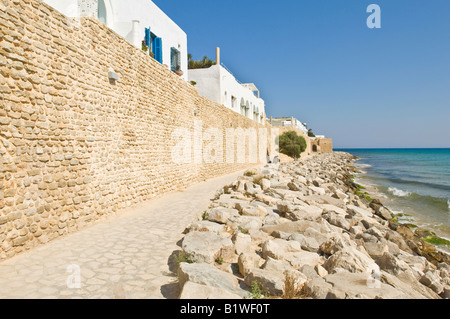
(75, 147)
(322, 145)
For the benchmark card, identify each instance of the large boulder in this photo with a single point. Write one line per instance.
(354, 285)
(278, 248)
(359, 211)
(192, 290)
(350, 259)
(221, 214)
(245, 223)
(242, 242)
(248, 261)
(205, 247)
(335, 243)
(301, 258)
(336, 220)
(208, 275)
(270, 282)
(306, 243)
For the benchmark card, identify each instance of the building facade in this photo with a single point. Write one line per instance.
(136, 21)
(219, 85)
(289, 122)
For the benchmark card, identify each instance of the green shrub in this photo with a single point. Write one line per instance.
(292, 144)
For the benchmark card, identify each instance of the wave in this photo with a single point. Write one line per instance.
(398, 192)
(363, 165)
(440, 203)
(415, 183)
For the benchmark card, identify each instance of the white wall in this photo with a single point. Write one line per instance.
(120, 16)
(219, 85)
(149, 15)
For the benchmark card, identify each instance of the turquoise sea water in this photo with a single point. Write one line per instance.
(413, 181)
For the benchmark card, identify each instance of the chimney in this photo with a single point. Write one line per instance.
(218, 56)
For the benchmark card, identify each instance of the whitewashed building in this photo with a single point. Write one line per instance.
(289, 122)
(136, 21)
(219, 85)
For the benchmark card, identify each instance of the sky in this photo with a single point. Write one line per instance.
(318, 61)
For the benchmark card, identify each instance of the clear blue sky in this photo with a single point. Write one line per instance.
(318, 61)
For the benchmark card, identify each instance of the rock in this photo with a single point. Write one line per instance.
(376, 249)
(358, 211)
(249, 210)
(248, 261)
(318, 288)
(317, 190)
(384, 213)
(205, 247)
(322, 272)
(242, 242)
(350, 259)
(192, 290)
(271, 219)
(205, 226)
(445, 294)
(405, 231)
(320, 237)
(306, 243)
(398, 239)
(309, 271)
(221, 214)
(281, 235)
(336, 220)
(432, 281)
(391, 264)
(208, 275)
(412, 290)
(278, 248)
(293, 186)
(336, 243)
(332, 201)
(270, 282)
(276, 265)
(355, 285)
(245, 223)
(265, 183)
(301, 258)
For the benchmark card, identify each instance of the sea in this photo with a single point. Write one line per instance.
(414, 183)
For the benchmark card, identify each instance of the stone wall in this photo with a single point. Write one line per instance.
(75, 147)
(322, 145)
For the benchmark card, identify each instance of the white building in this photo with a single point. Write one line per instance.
(289, 122)
(219, 85)
(136, 21)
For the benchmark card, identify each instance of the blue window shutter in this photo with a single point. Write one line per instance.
(158, 50)
(147, 36)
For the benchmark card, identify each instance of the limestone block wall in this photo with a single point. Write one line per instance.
(322, 145)
(75, 147)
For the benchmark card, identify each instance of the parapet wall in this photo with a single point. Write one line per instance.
(74, 146)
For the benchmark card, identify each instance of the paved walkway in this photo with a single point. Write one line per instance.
(124, 257)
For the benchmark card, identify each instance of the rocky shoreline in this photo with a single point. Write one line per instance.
(304, 230)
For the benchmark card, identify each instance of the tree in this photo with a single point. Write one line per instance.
(310, 133)
(292, 144)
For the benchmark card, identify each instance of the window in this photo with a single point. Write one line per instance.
(154, 44)
(233, 102)
(175, 59)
